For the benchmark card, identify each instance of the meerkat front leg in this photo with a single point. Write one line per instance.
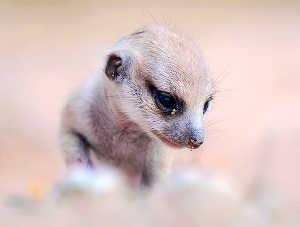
(75, 148)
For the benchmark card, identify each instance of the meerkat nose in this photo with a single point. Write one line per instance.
(196, 139)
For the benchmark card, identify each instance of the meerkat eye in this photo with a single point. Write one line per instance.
(206, 105)
(166, 102)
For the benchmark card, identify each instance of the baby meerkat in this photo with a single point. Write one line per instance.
(152, 93)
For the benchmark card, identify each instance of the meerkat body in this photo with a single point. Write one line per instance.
(153, 92)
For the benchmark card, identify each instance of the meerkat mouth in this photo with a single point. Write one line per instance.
(168, 141)
(172, 144)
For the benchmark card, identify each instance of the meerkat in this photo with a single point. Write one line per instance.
(151, 93)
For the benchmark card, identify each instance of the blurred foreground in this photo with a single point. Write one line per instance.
(188, 198)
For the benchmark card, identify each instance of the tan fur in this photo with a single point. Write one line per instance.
(117, 118)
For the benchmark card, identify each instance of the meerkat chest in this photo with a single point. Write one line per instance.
(125, 148)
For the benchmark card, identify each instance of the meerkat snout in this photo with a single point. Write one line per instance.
(154, 88)
(195, 139)
(196, 132)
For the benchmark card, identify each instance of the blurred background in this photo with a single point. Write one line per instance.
(252, 48)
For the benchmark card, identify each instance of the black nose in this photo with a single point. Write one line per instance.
(195, 140)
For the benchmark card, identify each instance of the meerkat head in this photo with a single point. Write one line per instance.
(162, 84)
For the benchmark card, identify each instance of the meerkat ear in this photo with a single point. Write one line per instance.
(117, 66)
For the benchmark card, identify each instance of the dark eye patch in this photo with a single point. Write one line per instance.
(166, 102)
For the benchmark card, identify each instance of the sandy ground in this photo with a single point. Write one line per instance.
(253, 50)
